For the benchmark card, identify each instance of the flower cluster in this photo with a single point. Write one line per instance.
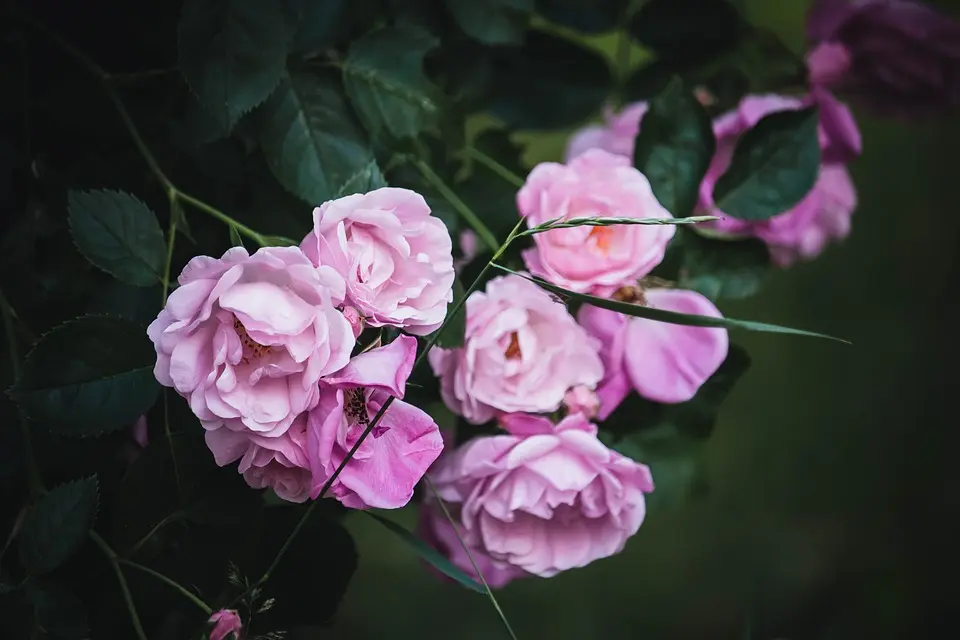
(262, 348)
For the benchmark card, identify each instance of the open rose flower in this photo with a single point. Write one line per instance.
(395, 257)
(895, 56)
(522, 351)
(279, 463)
(396, 454)
(245, 339)
(592, 259)
(663, 362)
(823, 214)
(544, 498)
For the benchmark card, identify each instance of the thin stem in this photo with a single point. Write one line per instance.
(135, 134)
(175, 212)
(493, 165)
(222, 217)
(466, 548)
(34, 477)
(189, 595)
(176, 515)
(482, 231)
(122, 580)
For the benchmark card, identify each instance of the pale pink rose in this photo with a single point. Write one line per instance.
(396, 454)
(395, 257)
(278, 462)
(617, 135)
(434, 529)
(592, 259)
(544, 498)
(469, 248)
(582, 400)
(824, 213)
(226, 623)
(663, 362)
(522, 351)
(246, 338)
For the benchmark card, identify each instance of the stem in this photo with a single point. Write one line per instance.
(175, 211)
(137, 139)
(493, 165)
(189, 595)
(482, 231)
(122, 580)
(34, 477)
(446, 514)
(222, 217)
(176, 515)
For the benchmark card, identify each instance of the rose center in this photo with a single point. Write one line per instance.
(252, 350)
(602, 238)
(631, 294)
(513, 348)
(356, 406)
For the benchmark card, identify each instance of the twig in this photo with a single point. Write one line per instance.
(122, 580)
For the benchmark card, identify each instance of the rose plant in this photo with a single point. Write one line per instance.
(205, 379)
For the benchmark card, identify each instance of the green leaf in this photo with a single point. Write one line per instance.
(452, 336)
(586, 16)
(314, 25)
(661, 315)
(675, 147)
(428, 553)
(775, 164)
(119, 234)
(732, 269)
(492, 21)
(687, 31)
(88, 376)
(232, 53)
(58, 611)
(383, 75)
(311, 140)
(673, 459)
(548, 83)
(57, 526)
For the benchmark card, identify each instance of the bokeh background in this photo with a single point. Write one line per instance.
(834, 505)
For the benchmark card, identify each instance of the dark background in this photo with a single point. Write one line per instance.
(834, 502)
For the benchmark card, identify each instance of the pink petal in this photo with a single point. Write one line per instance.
(386, 368)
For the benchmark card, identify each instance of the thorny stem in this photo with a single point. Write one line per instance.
(122, 580)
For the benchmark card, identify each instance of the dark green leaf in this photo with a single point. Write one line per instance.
(383, 75)
(57, 525)
(687, 31)
(232, 53)
(548, 83)
(452, 336)
(586, 16)
(648, 81)
(774, 166)
(732, 269)
(675, 147)
(492, 21)
(58, 611)
(88, 376)
(314, 25)
(311, 140)
(661, 315)
(428, 553)
(119, 234)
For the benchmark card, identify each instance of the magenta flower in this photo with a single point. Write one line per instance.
(396, 454)
(226, 623)
(543, 498)
(660, 361)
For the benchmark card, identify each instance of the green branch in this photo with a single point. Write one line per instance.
(465, 212)
(186, 593)
(494, 166)
(122, 580)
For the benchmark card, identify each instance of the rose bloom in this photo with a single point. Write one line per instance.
(543, 498)
(662, 362)
(522, 351)
(592, 259)
(395, 257)
(821, 216)
(895, 56)
(245, 339)
(399, 449)
(226, 624)
(617, 135)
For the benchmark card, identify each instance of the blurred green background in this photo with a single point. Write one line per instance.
(833, 494)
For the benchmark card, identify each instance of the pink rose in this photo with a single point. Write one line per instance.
(395, 257)
(592, 259)
(582, 400)
(522, 351)
(544, 498)
(396, 454)
(434, 529)
(278, 462)
(246, 338)
(663, 362)
(824, 213)
(617, 135)
(226, 623)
